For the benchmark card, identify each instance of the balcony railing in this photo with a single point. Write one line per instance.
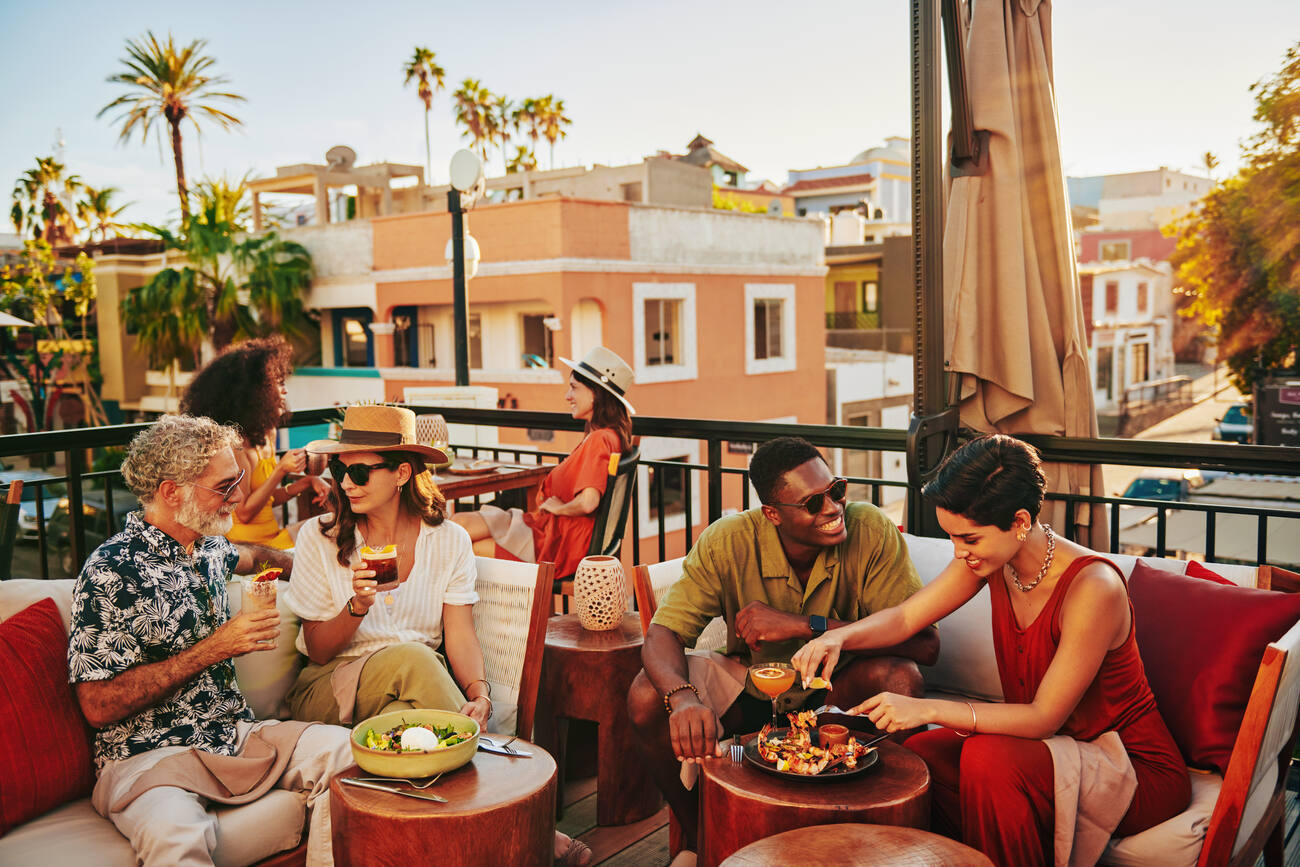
(720, 486)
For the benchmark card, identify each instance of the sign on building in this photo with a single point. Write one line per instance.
(1277, 411)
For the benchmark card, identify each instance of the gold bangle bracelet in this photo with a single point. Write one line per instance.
(973, 723)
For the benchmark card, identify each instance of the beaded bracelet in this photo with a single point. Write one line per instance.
(678, 688)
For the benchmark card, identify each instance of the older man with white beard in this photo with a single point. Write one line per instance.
(151, 656)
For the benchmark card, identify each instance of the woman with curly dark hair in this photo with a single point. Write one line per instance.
(244, 387)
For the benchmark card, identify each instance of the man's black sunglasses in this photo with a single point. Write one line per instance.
(358, 473)
(813, 502)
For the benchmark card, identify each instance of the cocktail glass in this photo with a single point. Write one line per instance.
(772, 679)
(259, 593)
(384, 564)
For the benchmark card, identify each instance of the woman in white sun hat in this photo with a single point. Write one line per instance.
(559, 528)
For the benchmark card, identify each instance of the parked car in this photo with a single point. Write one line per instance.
(1237, 425)
(96, 522)
(48, 495)
(1164, 484)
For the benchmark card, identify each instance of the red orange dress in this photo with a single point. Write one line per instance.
(996, 792)
(565, 540)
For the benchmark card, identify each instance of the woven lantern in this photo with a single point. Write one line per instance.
(599, 594)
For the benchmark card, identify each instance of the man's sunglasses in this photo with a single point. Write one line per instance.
(228, 491)
(358, 473)
(813, 502)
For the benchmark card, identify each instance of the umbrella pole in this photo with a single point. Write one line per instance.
(934, 423)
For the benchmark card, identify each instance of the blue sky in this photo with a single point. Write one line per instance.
(778, 86)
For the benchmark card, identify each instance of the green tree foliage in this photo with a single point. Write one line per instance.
(168, 84)
(97, 212)
(1239, 253)
(232, 286)
(41, 199)
(40, 289)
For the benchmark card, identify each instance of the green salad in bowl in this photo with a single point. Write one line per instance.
(414, 743)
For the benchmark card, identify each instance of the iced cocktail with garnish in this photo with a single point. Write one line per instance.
(772, 679)
(259, 590)
(383, 562)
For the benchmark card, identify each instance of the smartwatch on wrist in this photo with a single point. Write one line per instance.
(817, 624)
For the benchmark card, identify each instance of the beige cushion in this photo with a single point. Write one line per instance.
(76, 834)
(1173, 842)
(17, 593)
(967, 665)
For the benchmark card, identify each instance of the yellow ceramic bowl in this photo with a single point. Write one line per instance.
(424, 763)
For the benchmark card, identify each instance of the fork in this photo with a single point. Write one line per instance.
(427, 781)
(504, 746)
(737, 750)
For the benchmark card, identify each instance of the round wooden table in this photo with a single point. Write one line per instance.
(858, 846)
(740, 804)
(499, 811)
(586, 676)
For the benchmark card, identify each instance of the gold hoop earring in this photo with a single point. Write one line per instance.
(1022, 535)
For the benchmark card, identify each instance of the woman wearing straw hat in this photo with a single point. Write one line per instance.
(559, 530)
(373, 648)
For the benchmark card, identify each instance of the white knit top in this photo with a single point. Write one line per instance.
(443, 574)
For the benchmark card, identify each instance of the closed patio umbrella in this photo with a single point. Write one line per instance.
(1014, 334)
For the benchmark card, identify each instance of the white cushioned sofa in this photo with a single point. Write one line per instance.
(510, 620)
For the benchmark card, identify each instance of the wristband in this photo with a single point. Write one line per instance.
(351, 611)
(678, 688)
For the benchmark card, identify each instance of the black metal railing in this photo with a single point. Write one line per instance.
(706, 487)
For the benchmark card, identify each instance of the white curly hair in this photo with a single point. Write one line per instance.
(176, 447)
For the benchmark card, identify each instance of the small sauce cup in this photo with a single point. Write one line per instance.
(831, 734)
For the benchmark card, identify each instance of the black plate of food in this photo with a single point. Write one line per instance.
(836, 772)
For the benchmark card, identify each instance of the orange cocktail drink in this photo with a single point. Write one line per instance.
(383, 562)
(772, 679)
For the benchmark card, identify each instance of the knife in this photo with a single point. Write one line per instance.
(511, 753)
(380, 787)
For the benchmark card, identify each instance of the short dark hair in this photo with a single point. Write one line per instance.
(776, 457)
(988, 480)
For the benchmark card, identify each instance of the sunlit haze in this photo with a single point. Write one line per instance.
(777, 86)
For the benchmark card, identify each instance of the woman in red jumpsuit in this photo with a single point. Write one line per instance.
(559, 529)
(1067, 656)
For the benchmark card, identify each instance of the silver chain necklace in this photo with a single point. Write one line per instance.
(1042, 573)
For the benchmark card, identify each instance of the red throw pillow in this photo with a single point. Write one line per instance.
(1197, 569)
(1201, 644)
(45, 757)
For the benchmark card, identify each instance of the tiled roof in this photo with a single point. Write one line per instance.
(829, 183)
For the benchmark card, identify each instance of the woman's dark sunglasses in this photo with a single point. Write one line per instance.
(813, 502)
(358, 473)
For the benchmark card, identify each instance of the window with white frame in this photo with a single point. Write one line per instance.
(1115, 251)
(769, 327)
(663, 331)
(677, 485)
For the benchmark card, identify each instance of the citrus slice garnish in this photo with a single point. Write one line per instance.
(768, 672)
(378, 553)
(270, 574)
(819, 683)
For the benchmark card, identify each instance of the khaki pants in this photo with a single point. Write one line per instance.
(399, 677)
(170, 827)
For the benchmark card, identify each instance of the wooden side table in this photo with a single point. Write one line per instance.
(586, 675)
(740, 804)
(499, 811)
(858, 846)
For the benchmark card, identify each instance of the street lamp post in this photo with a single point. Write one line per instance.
(466, 178)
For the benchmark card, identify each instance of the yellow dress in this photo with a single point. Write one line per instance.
(264, 529)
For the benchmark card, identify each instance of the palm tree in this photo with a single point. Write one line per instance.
(96, 211)
(473, 110)
(422, 67)
(40, 202)
(170, 84)
(527, 118)
(553, 121)
(227, 200)
(524, 160)
(1210, 162)
(500, 117)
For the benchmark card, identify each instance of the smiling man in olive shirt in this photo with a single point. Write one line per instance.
(800, 564)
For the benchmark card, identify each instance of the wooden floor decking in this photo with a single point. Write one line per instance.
(645, 844)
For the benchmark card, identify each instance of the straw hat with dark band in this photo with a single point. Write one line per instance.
(606, 370)
(377, 428)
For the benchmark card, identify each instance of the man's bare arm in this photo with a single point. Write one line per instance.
(104, 702)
